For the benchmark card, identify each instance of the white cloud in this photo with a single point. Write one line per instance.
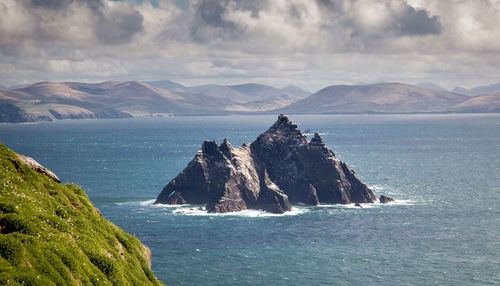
(310, 43)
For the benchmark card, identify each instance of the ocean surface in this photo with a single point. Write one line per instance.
(443, 170)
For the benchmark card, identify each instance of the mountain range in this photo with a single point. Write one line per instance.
(377, 98)
(479, 90)
(119, 99)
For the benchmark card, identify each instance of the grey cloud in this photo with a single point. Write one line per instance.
(295, 40)
(331, 4)
(211, 11)
(110, 23)
(418, 22)
(208, 22)
(400, 18)
(63, 4)
(118, 26)
(338, 26)
(51, 4)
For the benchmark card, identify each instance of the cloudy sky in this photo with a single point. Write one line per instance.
(310, 43)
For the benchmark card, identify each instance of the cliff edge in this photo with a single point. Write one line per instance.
(51, 234)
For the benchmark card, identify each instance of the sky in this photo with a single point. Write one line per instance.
(308, 43)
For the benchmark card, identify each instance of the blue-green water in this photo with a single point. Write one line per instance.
(444, 170)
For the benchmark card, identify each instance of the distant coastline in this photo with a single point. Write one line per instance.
(50, 101)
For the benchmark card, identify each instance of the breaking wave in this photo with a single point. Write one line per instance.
(192, 210)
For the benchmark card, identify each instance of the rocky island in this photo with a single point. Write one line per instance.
(280, 167)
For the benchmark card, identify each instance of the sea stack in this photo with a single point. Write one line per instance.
(280, 167)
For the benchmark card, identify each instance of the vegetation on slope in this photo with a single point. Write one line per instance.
(51, 234)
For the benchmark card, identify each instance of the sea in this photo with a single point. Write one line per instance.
(443, 170)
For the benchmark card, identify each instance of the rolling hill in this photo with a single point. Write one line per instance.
(376, 98)
(120, 99)
(481, 103)
(479, 90)
(249, 97)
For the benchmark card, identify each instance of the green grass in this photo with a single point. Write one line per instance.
(51, 234)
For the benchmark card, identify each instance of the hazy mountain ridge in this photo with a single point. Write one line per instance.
(479, 90)
(481, 103)
(249, 97)
(377, 98)
(431, 85)
(120, 99)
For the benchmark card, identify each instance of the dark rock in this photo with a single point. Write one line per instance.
(384, 199)
(358, 205)
(279, 167)
(177, 199)
(317, 140)
(12, 114)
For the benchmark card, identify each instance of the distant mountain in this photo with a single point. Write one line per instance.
(133, 97)
(261, 91)
(17, 86)
(250, 97)
(119, 99)
(296, 90)
(375, 98)
(480, 90)
(481, 103)
(219, 91)
(51, 101)
(460, 90)
(112, 99)
(116, 99)
(168, 85)
(433, 86)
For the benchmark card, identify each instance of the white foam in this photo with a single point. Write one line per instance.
(346, 206)
(137, 203)
(399, 202)
(170, 206)
(396, 202)
(201, 211)
(378, 187)
(319, 133)
(147, 203)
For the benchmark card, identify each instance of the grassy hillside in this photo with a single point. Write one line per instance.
(51, 234)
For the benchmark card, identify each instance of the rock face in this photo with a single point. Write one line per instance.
(12, 114)
(37, 167)
(385, 199)
(279, 167)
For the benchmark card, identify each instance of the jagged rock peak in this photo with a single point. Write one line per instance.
(210, 147)
(317, 140)
(283, 130)
(279, 167)
(283, 123)
(226, 148)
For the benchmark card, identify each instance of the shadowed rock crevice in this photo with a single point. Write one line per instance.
(279, 167)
